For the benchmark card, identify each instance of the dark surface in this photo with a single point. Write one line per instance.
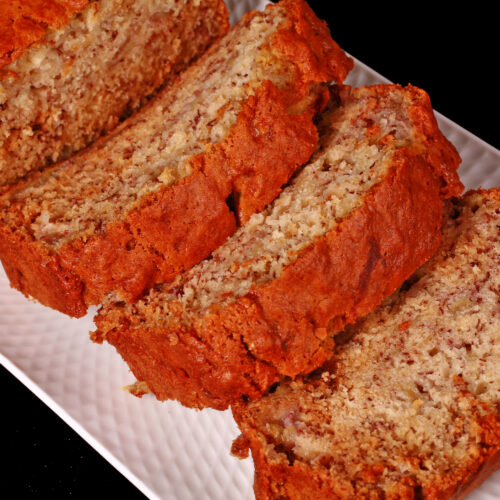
(45, 457)
(449, 53)
(448, 56)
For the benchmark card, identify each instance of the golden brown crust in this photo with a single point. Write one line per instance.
(392, 235)
(27, 263)
(468, 477)
(434, 148)
(281, 328)
(174, 228)
(293, 481)
(487, 465)
(306, 41)
(261, 151)
(171, 231)
(24, 23)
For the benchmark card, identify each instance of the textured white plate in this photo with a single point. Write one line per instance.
(167, 451)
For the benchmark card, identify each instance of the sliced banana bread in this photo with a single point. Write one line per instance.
(69, 70)
(409, 406)
(157, 195)
(347, 231)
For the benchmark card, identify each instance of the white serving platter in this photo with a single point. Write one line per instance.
(166, 450)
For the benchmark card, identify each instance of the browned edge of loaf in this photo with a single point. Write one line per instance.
(294, 480)
(24, 23)
(178, 226)
(280, 328)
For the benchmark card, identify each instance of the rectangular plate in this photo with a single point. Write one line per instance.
(166, 450)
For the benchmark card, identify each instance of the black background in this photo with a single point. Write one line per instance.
(449, 54)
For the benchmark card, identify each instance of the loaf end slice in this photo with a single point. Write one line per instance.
(350, 227)
(69, 71)
(172, 182)
(408, 407)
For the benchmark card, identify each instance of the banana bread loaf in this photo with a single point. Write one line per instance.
(347, 231)
(409, 405)
(69, 70)
(157, 195)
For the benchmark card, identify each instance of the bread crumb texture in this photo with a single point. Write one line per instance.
(409, 406)
(69, 71)
(169, 184)
(347, 230)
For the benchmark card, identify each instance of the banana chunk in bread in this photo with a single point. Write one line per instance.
(409, 406)
(70, 70)
(350, 227)
(167, 186)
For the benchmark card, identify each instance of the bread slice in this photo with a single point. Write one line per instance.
(347, 231)
(409, 407)
(69, 70)
(158, 194)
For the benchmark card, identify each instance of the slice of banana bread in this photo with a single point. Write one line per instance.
(157, 195)
(347, 231)
(409, 407)
(69, 70)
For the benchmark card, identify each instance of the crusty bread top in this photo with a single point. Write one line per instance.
(24, 23)
(410, 403)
